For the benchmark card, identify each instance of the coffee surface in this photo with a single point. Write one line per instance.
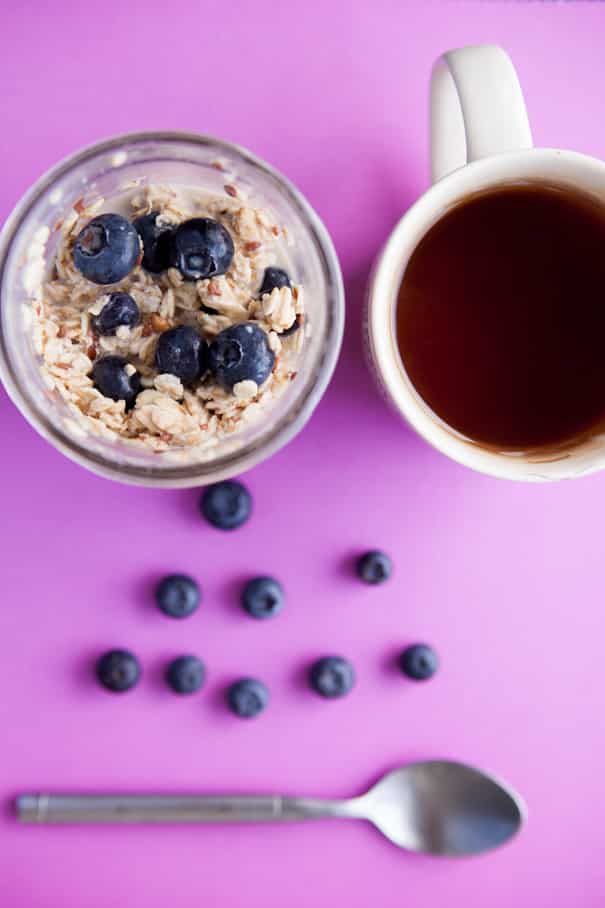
(501, 316)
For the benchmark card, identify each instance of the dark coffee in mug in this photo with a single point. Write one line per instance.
(501, 316)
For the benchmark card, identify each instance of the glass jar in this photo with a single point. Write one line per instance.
(173, 158)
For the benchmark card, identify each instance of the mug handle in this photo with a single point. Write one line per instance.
(477, 108)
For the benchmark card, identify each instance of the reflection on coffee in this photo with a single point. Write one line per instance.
(501, 316)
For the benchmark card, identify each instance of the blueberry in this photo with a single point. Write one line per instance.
(274, 277)
(226, 505)
(293, 327)
(332, 677)
(263, 597)
(247, 697)
(241, 353)
(111, 379)
(186, 674)
(120, 309)
(201, 248)
(374, 567)
(182, 352)
(107, 249)
(118, 670)
(157, 240)
(419, 662)
(177, 595)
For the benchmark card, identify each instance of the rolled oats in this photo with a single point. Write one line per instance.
(166, 417)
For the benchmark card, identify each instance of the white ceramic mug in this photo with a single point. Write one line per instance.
(480, 139)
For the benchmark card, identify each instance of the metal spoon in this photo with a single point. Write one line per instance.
(437, 807)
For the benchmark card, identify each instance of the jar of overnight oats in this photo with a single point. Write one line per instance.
(171, 309)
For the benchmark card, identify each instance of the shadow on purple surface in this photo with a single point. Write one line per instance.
(155, 673)
(143, 592)
(352, 374)
(215, 700)
(186, 503)
(389, 663)
(8, 808)
(353, 385)
(83, 674)
(346, 567)
(299, 677)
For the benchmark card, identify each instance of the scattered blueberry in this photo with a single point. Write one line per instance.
(201, 248)
(374, 567)
(247, 698)
(118, 670)
(332, 677)
(182, 352)
(186, 674)
(263, 597)
(274, 277)
(419, 662)
(226, 505)
(241, 353)
(107, 249)
(120, 309)
(178, 595)
(112, 380)
(156, 241)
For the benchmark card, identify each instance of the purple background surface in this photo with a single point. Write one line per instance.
(505, 580)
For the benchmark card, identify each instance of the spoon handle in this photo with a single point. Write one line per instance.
(105, 808)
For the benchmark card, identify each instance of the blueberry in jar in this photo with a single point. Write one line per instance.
(106, 249)
(274, 278)
(183, 352)
(296, 324)
(115, 377)
(157, 242)
(120, 309)
(201, 248)
(241, 353)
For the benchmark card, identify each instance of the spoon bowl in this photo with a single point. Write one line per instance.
(444, 808)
